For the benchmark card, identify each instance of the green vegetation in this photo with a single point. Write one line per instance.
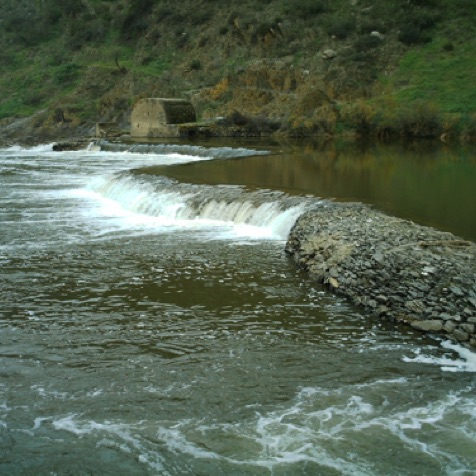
(340, 26)
(306, 8)
(401, 68)
(257, 124)
(435, 74)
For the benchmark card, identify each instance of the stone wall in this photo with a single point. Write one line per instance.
(393, 268)
(158, 117)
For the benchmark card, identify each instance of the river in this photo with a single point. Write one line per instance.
(151, 324)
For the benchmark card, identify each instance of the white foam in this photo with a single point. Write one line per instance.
(85, 162)
(127, 205)
(94, 393)
(268, 442)
(42, 392)
(122, 436)
(466, 363)
(239, 215)
(143, 159)
(328, 428)
(38, 149)
(39, 421)
(182, 149)
(4, 409)
(319, 425)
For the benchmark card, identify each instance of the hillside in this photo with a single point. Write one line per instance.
(297, 68)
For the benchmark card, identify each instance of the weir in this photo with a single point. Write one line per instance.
(172, 201)
(356, 257)
(196, 150)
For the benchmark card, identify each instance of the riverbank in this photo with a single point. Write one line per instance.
(393, 268)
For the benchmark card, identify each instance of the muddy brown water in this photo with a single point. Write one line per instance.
(150, 322)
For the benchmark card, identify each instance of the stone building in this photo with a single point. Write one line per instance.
(159, 117)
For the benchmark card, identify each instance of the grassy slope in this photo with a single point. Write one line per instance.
(431, 73)
(441, 71)
(53, 74)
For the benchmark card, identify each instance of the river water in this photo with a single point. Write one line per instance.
(151, 324)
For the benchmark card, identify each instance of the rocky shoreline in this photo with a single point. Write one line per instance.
(392, 268)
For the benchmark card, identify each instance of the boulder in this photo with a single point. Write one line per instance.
(329, 54)
(432, 325)
(377, 34)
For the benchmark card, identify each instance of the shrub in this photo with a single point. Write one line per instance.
(341, 27)
(70, 7)
(53, 10)
(425, 3)
(182, 40)
(370, 25)
(367, 42)
(133, 22)
(469, 130)
(11, 108)
(195, 65)
(51, 13)
(359, 57)
(325, 117)
(263, 123)
(423, 119)
(414, 26)
(236, 118)
(412, 35)
(6, 59)
(463, 7)
(33, 99)
(178, 18)
(199, 17)
(259, 123)
(359, 116)
(301, 127)
(263, 29)
(25, 25)
(448, 46)
(85, 32)
(306, 8)
(164, 12)
(423, 19)
(232, 17)
(67, 73)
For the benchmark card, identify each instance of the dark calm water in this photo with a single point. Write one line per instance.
(431, 183)
(150, 322)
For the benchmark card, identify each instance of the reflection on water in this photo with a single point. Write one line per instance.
(430, 183)
(133, 345)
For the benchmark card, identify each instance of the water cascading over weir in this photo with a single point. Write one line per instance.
(149, 191)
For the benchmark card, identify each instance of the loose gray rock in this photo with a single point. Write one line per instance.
(390, 267)
(460, 335)
(329, 54)
(433, 325)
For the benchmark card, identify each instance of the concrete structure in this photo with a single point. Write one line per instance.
(159, 117)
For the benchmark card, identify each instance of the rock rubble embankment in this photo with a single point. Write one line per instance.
(392, 268)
